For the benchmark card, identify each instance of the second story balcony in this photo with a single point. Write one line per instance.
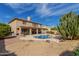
(29, 24)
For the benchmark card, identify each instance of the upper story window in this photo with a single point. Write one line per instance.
(39, 25)
(24, 22)
(29, 24)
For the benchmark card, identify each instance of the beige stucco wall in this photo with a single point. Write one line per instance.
(17, 24)
(14, 25)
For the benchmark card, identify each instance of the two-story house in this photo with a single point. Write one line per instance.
(26, 27)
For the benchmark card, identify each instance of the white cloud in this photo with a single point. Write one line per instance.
(20, 7)
(43, 10)
(59, 6)
(66, 9)
(7, 16)
(77, 9)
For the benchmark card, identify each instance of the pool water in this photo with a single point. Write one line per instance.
(42, 36)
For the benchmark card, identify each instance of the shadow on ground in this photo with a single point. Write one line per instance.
(3, 51)
(67, 53)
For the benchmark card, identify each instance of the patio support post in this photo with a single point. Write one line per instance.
(42, 31)
(36, 31)
(30, 31)
(20, 31)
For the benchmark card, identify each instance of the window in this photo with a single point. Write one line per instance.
(24, 22)
(17, 34)
(17, 28)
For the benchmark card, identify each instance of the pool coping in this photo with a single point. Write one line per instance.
(31, 37)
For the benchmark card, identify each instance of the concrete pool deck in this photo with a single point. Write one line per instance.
(29, 48)
(31, 37)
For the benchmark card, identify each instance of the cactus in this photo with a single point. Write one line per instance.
(69, 26)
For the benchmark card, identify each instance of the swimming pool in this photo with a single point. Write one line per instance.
(42, 36)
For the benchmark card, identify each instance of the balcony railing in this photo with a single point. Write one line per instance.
(32, 25)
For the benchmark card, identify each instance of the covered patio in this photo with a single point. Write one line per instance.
(31, 30)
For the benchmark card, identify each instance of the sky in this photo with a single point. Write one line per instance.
(44, 13)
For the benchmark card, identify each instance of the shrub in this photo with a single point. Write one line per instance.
(4, 30)
(54, 28)
(76, 51)
(69, 26)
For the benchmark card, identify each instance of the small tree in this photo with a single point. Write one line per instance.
(54, 28)
(4, 30)
(69, 26)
